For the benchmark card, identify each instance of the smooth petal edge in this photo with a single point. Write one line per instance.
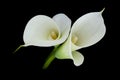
(64, 24)
(43, 43)
(63, 21)
(101, 34)
(78, 58)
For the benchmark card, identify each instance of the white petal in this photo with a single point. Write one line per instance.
(89, 29)
(38, 29)
(64, 24)
(78, 58)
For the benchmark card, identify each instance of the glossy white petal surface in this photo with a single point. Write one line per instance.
(38, 30)
(78, 58)
(64, 24)
(89, 29)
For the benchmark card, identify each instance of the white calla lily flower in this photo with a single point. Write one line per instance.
(86, 31)
(44, 31)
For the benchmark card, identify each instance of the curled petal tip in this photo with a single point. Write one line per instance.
(78, 58)
(102, 10)
(18, 49)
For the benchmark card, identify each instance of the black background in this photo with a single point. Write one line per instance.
(28, 61)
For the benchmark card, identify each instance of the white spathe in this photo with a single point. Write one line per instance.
(38, 30)
(78, 58)
(89, 29)
(86, 31)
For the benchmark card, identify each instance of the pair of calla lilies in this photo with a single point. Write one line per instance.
(44, 31)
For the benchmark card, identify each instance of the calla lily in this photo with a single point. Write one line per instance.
(44, 31)
(86, 31)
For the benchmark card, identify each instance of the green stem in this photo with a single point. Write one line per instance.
(50, 58)
(18, 48)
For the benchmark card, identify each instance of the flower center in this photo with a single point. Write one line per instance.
(74, 39)
(53, 35)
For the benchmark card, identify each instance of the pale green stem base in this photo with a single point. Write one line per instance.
(17, 49)
(50, 58)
